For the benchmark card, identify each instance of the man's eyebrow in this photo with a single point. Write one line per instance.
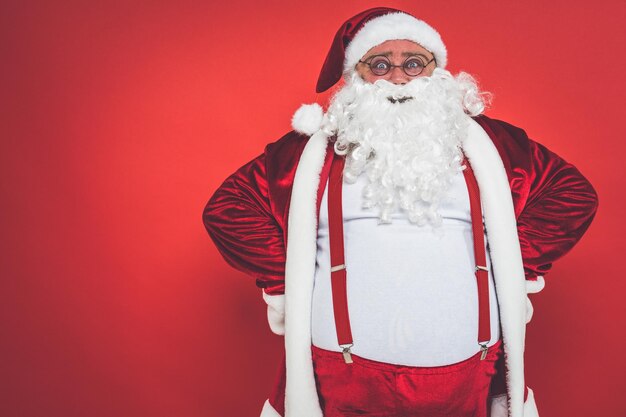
(380, 54)
(404, 54)
(414, 54)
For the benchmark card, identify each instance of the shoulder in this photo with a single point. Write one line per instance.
(506, 136)
(511, 142)
(292, 143)
(281, 160)
(282, 156)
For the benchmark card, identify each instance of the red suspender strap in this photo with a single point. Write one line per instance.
(482, 274)
(337, 261)
(338, 267)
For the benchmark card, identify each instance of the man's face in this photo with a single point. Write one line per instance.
(397, 52)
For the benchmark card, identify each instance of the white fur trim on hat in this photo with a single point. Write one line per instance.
(308, 119)
(395, 26)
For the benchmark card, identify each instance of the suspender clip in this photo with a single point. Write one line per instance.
(484, 349)
(347, 355)
(481, 268)
(337, 268)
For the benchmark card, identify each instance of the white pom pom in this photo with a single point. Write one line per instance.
(308, 119)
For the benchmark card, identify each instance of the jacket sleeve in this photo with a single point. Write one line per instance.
(560, 207)
(239, 219)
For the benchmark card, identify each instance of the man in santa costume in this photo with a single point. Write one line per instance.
(396, 236)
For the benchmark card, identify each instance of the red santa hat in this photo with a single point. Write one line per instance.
(354, 38)
(370, 28)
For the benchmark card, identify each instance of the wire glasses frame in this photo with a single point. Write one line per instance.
(412, 66)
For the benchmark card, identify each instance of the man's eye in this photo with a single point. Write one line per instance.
(380, 65)
(414, 63)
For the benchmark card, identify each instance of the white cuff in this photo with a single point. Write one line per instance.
(533, 287)
(275, 312)
(499, 406)
(268, 410)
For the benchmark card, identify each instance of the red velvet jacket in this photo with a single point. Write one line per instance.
(247, 216)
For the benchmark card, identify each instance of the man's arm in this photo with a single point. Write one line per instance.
(239, 219)
(560, 207)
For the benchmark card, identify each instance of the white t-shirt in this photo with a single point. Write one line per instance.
(412, 296)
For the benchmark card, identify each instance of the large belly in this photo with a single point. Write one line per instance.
(412, 295)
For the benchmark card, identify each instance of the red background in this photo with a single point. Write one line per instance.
(119, 120)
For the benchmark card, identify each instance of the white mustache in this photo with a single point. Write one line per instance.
(399, 100)
(405, 138)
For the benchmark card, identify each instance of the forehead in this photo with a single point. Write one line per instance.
(398, 47)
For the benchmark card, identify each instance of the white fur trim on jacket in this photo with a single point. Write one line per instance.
(300, 392)
(501, 228)
(506, 256)
(395, 26)
(275, 312)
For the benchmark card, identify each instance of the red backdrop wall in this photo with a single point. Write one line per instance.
(118, 121)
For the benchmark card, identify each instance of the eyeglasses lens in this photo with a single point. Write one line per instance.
(413, 66)
(380, 66)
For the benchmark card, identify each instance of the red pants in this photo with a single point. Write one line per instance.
(376, 389)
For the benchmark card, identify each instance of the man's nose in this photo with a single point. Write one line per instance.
(398, 76)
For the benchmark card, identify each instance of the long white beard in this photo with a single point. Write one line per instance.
(405, 138)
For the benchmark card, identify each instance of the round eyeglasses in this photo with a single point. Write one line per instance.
(412, 66)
